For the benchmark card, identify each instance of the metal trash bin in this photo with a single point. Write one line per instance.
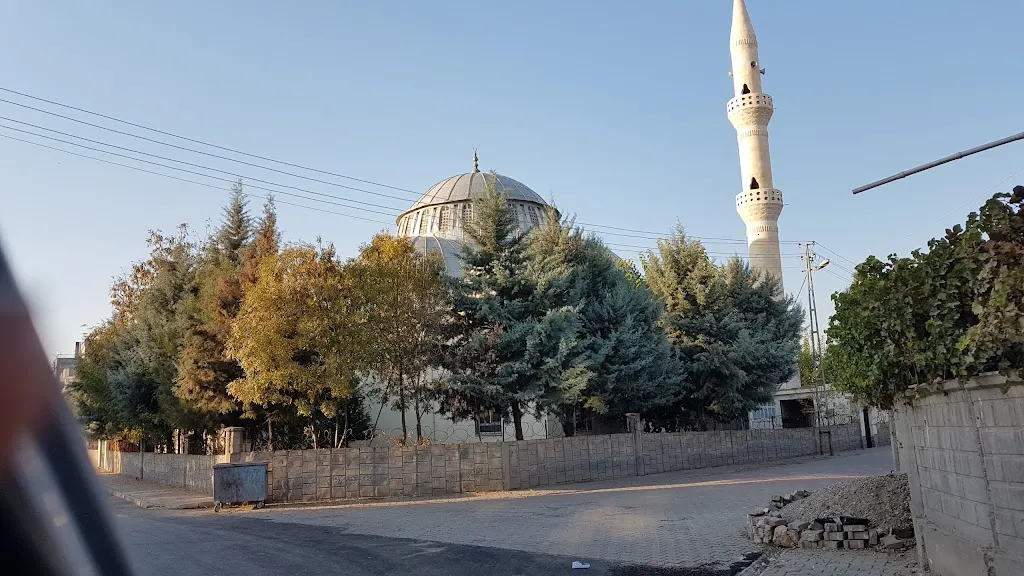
(239, 483)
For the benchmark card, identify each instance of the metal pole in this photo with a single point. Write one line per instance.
(940, 162)
(812, 318)
(820, 354)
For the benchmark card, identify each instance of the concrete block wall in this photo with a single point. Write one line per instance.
(963, 450)
(438, 470)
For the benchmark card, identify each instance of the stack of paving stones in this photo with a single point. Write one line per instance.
(766, 525)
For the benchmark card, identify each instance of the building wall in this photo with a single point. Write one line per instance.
(443, 430)
(383, 471)
(963, 450)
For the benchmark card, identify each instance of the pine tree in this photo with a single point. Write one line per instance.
(737, 341)
(621, 360)
(204, 370)
(500, 356)
(236, 228)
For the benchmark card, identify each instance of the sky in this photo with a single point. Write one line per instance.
(615, 110)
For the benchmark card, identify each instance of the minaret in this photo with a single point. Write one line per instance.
(760, 203)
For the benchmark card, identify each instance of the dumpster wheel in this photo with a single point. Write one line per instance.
(258, 505)
(217, 506)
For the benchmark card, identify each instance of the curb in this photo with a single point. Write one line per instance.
(190, 505)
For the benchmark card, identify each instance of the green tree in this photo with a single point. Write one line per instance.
(952, 311)
(142, 368)
(504, 352)
(620, 359)
(736, 336)
(215, 299)
(92, 396)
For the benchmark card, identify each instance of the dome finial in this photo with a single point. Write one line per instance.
(476, 161)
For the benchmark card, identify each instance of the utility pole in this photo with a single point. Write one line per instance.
(817, 350)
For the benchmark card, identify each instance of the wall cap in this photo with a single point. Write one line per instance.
(979, 382)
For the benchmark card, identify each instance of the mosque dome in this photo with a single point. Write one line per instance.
(434, 223)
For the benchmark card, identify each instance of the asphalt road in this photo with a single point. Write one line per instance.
(185, 544)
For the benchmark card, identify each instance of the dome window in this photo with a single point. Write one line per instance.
(446, 219)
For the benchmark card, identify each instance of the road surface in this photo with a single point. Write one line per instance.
(685, 524)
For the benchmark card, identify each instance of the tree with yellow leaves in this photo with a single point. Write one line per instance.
(405, 306)
(300, 336)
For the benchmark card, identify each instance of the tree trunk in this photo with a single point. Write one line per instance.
(270, 433)
(569, 428)
(383, 402)
(401, 404)
(344, 433)
(419, 419)
(517, 420)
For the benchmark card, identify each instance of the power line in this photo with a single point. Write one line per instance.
(415, 194)
(185, 148)
(195, 141)
(604, 229)
(217, 177)
(394, 211)
(175, 168)
(185, 162)
(836, 274)
(834, 253)
(272, 190)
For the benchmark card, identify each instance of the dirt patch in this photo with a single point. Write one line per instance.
(885, 500)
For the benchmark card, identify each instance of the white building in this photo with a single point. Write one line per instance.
(435, 224)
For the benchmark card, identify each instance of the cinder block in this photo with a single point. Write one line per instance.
(856, 544)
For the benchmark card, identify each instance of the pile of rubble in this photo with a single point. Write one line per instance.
(769, 526)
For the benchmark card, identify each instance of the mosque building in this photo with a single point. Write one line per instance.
(435, 224)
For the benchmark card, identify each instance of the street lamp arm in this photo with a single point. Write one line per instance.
(940, 162)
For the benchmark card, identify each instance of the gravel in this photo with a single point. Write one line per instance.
(884, 500)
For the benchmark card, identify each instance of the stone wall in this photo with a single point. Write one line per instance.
(437, 470)
(191, 471)
(963, 450)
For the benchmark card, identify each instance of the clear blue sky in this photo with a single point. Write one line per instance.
(616, 109)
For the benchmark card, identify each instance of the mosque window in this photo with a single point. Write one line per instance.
(401, 226)
(753, 184)
(467, 213)
(746, 89)
(433, 219)
(534, 216)
(446, 219)
(422, 221)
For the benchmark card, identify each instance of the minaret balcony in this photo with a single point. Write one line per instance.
(759, 205)
(754, 109)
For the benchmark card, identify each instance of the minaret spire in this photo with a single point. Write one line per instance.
(476, 162)
(742, 28)
(759, 203)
